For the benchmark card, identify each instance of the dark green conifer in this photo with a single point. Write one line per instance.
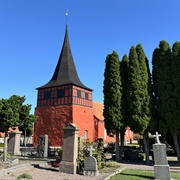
(112, 97)
(112, 93)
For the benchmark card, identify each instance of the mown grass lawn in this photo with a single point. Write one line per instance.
(134, 174)
(1, 145)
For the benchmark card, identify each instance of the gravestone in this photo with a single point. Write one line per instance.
(161, 167)
(14, 142)
(90, 164)
(70, 149)
(42, 147)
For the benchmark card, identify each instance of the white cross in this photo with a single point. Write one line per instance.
(157, 137)
(91, 149)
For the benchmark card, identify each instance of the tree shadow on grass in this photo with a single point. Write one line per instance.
(138, 175)
(45, 168)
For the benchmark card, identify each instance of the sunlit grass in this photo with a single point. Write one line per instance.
(136, 174)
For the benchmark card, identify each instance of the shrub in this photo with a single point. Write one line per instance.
(58, 154)
(111, 164)
(24, 175)
(98, 153)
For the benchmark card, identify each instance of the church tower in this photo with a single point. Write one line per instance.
(64, 99)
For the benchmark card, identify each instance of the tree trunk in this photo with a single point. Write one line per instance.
(117, 147)
(24, 140)
(5, 147)
(176, 144)
(146, 146)
(122, 146)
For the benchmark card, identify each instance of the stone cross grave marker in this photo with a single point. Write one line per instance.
(157, 137)
(161, 167)
(91, 149)
(90, 164)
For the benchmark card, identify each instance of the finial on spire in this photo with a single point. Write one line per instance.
(67, 16)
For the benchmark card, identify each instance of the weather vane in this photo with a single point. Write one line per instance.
(67, 16)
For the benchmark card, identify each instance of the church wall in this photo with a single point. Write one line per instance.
(83, 118)
(51, 120)
(101, 130)
(102, 133)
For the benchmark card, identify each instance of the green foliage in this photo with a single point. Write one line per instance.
(98, 153)
(112, 164)
(124, 80)
(24, 175)
(162, 83)
(138, 90)
(1, 145)
(14, 113)
(112, 93)
(58, 154)
(175, 94)
(8, 155)
(166, 80)
(26, 120)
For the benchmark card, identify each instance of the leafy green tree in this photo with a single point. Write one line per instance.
(9, 117)
(26, 121)
(10, 113)
(112, 97)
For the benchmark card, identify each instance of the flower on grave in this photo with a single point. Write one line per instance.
(56, 164)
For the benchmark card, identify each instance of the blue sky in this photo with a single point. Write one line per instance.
(32, 34)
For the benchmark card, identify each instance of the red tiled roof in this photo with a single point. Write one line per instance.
(98, 110)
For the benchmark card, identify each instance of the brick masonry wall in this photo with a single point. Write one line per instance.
(83, 117)
(51, 120)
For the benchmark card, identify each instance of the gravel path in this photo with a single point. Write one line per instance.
(46, 172)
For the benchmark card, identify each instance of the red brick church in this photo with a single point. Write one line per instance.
(66, 99)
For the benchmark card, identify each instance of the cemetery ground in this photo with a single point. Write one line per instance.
(128, 169)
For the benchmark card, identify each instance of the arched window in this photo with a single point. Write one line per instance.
(86, 134)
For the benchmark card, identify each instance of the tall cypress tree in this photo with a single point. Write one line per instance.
(166, 81)
(162, 83)
(112, 97)
(124, 81)
(174, 120)
(133, 90)
(124, 102)
(145, 96)
(139, 93)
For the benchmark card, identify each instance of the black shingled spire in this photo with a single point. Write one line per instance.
(65, 72)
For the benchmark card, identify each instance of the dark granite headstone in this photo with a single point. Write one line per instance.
(42, 147)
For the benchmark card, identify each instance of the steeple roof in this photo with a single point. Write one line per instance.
(65, 72)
